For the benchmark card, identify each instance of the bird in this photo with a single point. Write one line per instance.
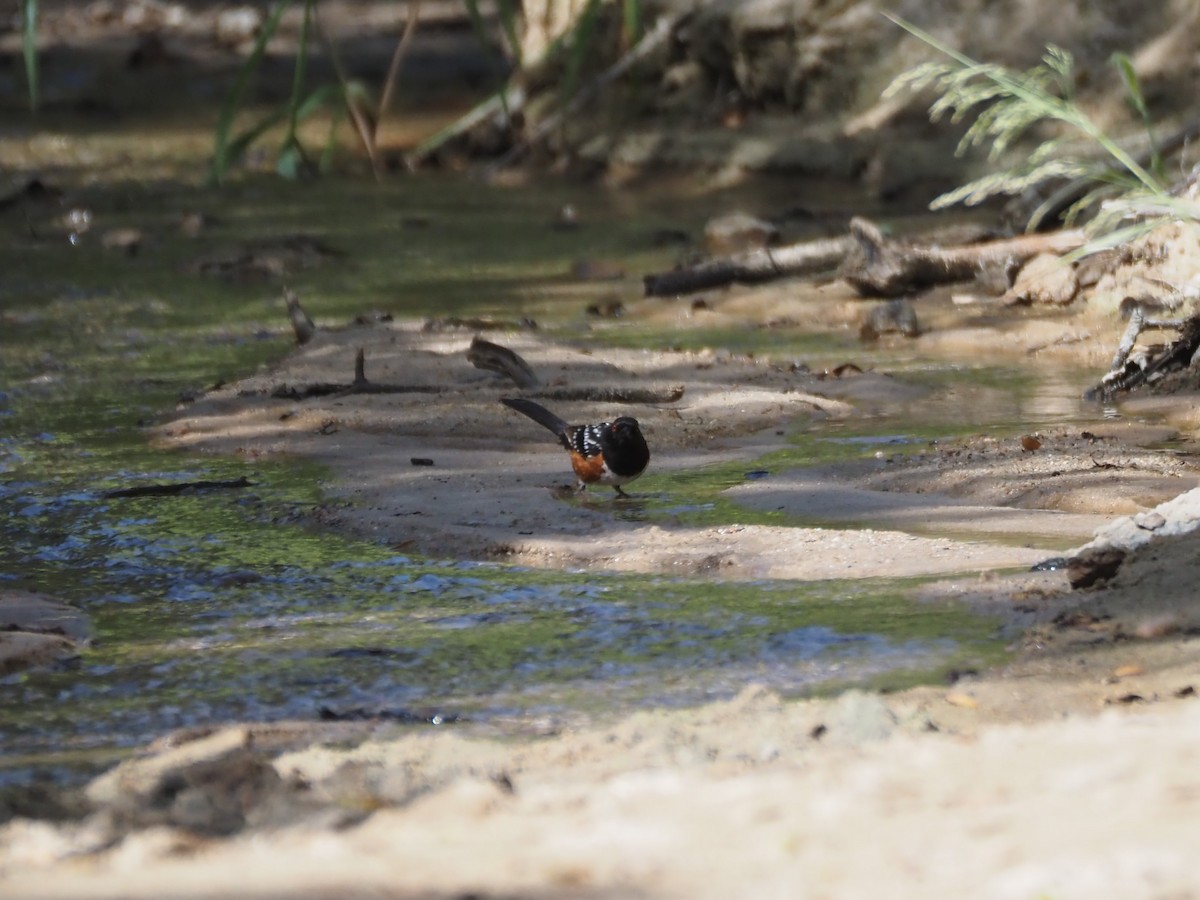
(612, 453)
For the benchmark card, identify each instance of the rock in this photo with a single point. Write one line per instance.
(1177, 516)
(737, 232)
(23, 650)
(1151, 521)
(1093, 566)
(1045, 280)
(209, 786)
(37, 630)
(28, 611)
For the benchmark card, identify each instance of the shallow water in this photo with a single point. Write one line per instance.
(223, 606)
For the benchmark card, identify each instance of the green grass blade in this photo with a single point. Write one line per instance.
(581, 42)
(631, 22)
(477, 22)
(1133, 86)
(224, 152)
(326, 95)
(509, 21)
(29, 49)
(298, 75)
(481, 31)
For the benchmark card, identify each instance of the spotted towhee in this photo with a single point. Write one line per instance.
(607, 453)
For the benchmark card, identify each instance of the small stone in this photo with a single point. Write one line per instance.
(1150, 521)
(736, 232)
(1157, 626)
(1045, 280)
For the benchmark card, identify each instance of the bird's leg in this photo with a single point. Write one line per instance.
(620, 492)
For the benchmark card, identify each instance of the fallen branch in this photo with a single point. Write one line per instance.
(879, 267)
(795, 260)
(176, 488)
(765, 264)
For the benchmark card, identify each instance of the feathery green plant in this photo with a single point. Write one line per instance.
(1006, 104)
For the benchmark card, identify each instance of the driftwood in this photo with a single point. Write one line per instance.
(496, 358)
(175, 489)
(360, 385)
(879, 267)
(874, 265)
(765, 264)
(1129, 370)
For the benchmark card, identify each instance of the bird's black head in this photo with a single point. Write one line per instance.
(625, 450)
(624, 425)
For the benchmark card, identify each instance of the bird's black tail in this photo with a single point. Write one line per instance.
(538, 413)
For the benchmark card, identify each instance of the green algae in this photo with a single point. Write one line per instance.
(227, 605)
